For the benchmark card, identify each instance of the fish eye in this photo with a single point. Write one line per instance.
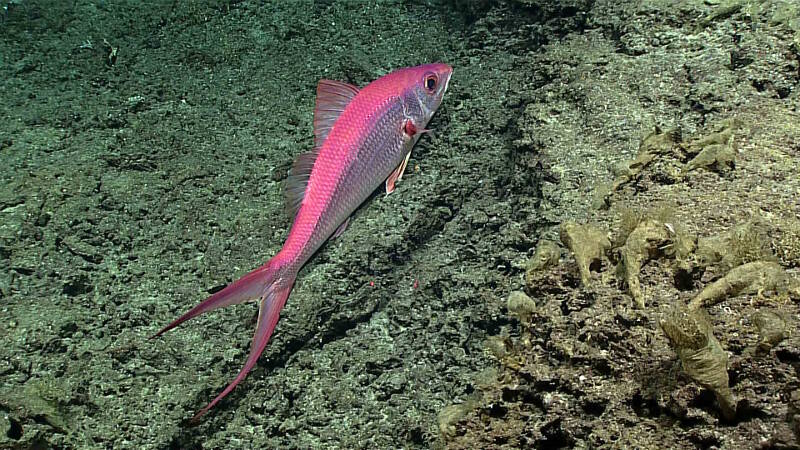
(431, 81)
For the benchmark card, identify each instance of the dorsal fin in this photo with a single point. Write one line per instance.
(295, 188)
(332, 99)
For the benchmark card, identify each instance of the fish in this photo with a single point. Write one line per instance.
(362, 138)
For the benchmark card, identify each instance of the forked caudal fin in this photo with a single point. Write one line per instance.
(273, 291)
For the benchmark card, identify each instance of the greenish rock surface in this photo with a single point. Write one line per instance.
(144, 146)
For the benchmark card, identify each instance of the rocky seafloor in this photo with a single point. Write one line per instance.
(598, 247)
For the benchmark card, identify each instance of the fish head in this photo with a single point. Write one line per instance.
(426, 85)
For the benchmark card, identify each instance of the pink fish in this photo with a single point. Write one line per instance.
(362, 138)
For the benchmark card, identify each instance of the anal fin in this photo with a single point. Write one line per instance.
(341, 228)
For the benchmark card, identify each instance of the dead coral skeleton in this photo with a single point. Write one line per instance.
(650, 239)
(588, 245)
(715, 151)
(690, 332)
(741, 244)
(521, 305)
(772, 329)
(691, 336)
(753, 277)
(657, 143)
(546, 256)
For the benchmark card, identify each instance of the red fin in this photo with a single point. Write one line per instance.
(332, 98)
(295, 187)
(397, 175)
(248, 287)
(268, 313)
(266, 282)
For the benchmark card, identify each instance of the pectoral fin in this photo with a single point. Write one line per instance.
(397, 175)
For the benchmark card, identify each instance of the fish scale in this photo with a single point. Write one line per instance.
(363, 139)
